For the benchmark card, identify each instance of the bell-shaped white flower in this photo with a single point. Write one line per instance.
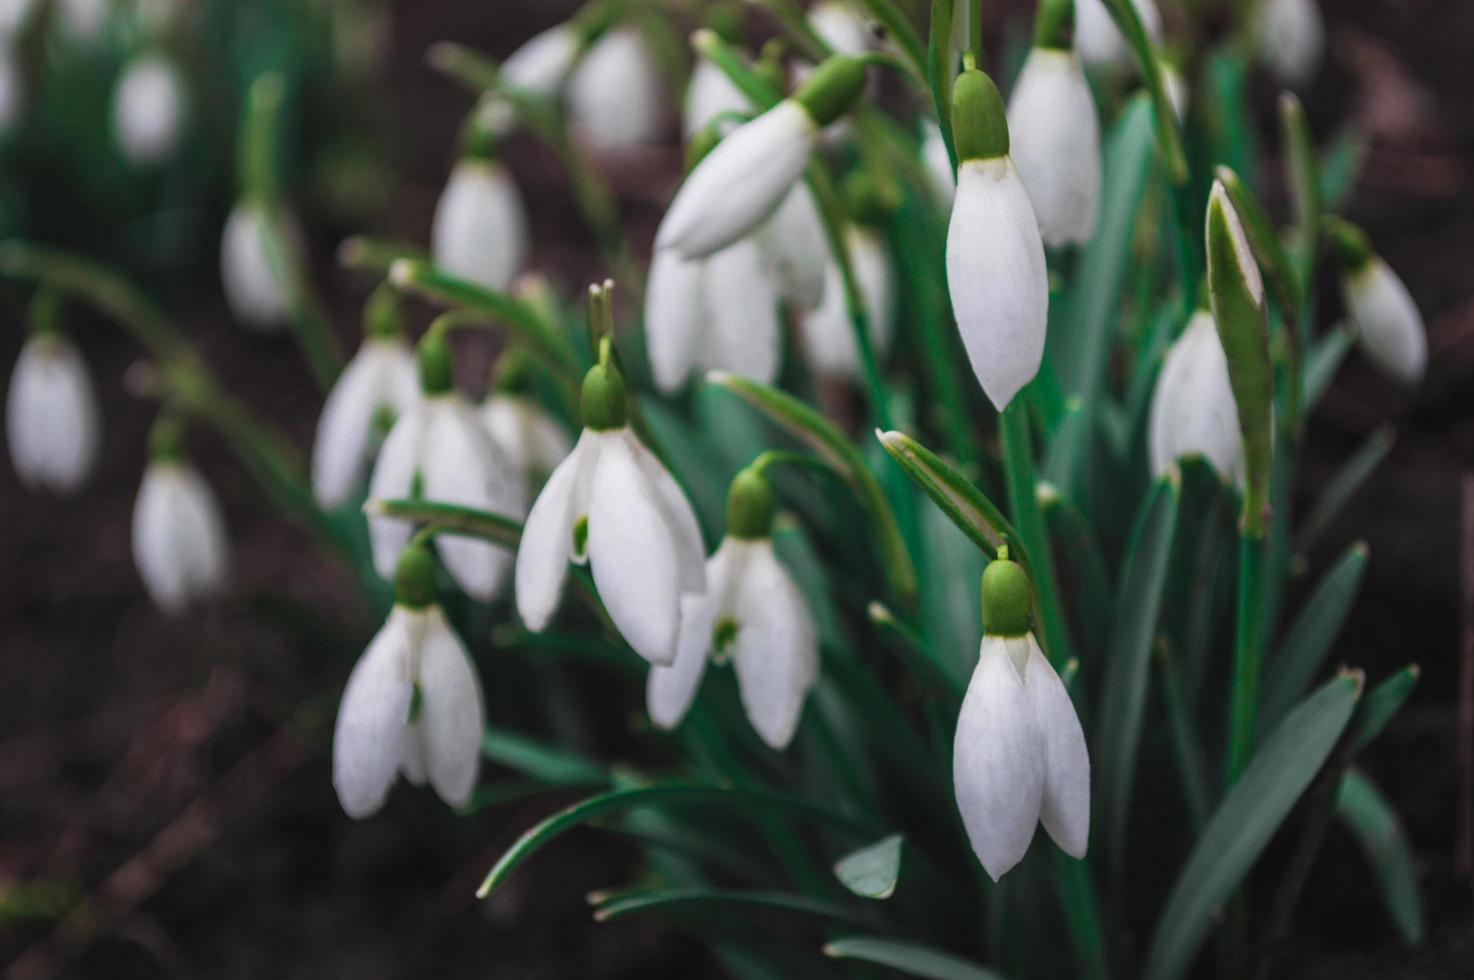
(1019, 756)
(795, 250)
(480, 226)
(613, 505)
(1193, 410)
(720, 312)
(1388, 323)
(1292, 38)
(412, 705)
(829, 336)
(1054, 140)
(148, 108)
(256, 297)
(742, 181)
(179, 542)
(615, 93)
(439, 450)
(753, 612)
(51, 420)
(1097, 39)
(533, 442)
(379, 379)
(995, 257)
(709, 94)
(938, 164)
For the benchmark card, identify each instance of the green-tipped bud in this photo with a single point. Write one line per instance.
(1351, 246)
(383, 319)
(433, 355)
(979, 123)
(867, 200)
(702, 142)
(602, 399)
(1007, 600)
(1054, 24)
(515, 372)
(166, 439)
(414, 577)
(832, 88)
(750, 506)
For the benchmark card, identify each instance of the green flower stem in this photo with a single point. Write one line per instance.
(940, 70)
(1248, 652)
(364, 253)
(563, 380)
(1082, 915)
(787, 457)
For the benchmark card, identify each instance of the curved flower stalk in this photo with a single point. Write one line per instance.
(51, 418)
(439, 450)
(754, 613)
(1388, 323)
(1097, 39)
(1193, 410)
(255, 297)
(613, 505)
(379, 380)
(740, 184)
(615, 95)
(533, 442)
(829, 337)
(1292, 38)
(412, 705)
(995, 256)
(179, 540)
(148, 108)
(1054, 137)
(480, 227)
(1019, 757)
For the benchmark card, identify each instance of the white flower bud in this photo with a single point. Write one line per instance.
(1193, 409)
(1389, 325)
(148, 106)
(615, 93)
(829, 336)
(52, 422)
(1292, 39)
(179, 542)
(380, 376)
(1055, 142)
(1097, 39)
(255, 296)
(480, 227)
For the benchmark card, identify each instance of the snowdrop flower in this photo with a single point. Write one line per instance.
(995, 257)
(1388, 323)
(1053, 134)
(179, 542)
(439, 450)
(938, 164)
(256, 297)
(829, 336)
(533, 442)
(613, 505)
(13, 16)
(614, 94)
(1019, 757)
(82, 20)
(1193, 409)
(379, 380)
(840, 27)
(148, 105)
(795, 250)
(52, 422)
(755, 613)
(709, 94)
(1292, 38)
(1097, 39)
(741, 182)
(480, 227)
(412, 704)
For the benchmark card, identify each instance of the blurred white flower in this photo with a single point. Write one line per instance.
(840, 26)
(148, 108)
(615, 95)
(13, 15)
(12, 90)
(480, 227)
(1097, 40)
(255, 296)
(380, 377)
(82, 20)
(52, 421)
(1292, 39)
(1388, 323)
(179, 542)
(1193, 410)
(533, 442)
(709, 94)
(538, 68)
(794, 249)
(829, 337)
(1054, 140)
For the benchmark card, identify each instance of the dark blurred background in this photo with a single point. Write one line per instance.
(165, 802)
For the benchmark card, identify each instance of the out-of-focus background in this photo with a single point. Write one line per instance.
(165, 802)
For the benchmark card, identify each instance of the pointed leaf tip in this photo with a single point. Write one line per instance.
(872, 871)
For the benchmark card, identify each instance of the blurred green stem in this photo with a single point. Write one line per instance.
(1248, 650)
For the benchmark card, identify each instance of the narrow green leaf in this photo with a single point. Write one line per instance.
(540, 760)
(1324, 361)
(1381, 704)
(1075, 541)
(1129, 658)
(1305, 647)
(624, 904)
(1374, 824)
(1169, 140)
(1299, 146)
(1279, 274)
(910, 958)
(1341, 166)
(964, 503)
(1245, 821)
(450, 519)
(871, 872)
(1344, 485)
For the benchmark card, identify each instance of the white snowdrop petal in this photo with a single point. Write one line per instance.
(740, 183)
(1054, 140)
(669, 691)
(1292, 39)
(52, 420)
(776, 651)
(794, 247)
(614, 93)
(480, 227)
(255, 297)
(393, 479)
(368, 734)
(148, 106)
(1065, 806)
(1193, 410)
(675, 510)
(998, 762)
(709, 94)
(452, 717)
(539, 65)
(1390, 327)
(997, 277)
(741, 314)
(829, 335)
(840, 27)
(343, 431)
(676, 316)
(155, 551)
(547, 538)
(412, 755)
(204, 548)
(1097, 39)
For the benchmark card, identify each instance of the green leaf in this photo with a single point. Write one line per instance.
(1279, 275)
(1169, 140)
(909, 958)
(1245, 821)
(1305, 189)
(623, 904)
(1345, 483)
(1374, 824)
(871, 872)
(1341, 166)
(1379, 706)
(1075, 541)
(964, 503)
(1305, 647)
(1129, 658)
(1324, 361)
(540, 760)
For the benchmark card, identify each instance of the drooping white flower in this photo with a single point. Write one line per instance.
(794, 249)
(709, 94)
(179, 542)
(615, 92)
(938, 164)
(995, 257)
(380, 378)
(720, 312)
(1292, 39)
(148, 107)
(1389, 326)
(829, 336)
(613, 505)
(51, 419)
(255, 296)
(742, 181)
(1193, 410)
(1019, 756)
(440, 450)
(412, 704)
(533, 442)
(83, 20)
(753, 611)
(480, 227)
(1054, 140)
(1097, 39)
